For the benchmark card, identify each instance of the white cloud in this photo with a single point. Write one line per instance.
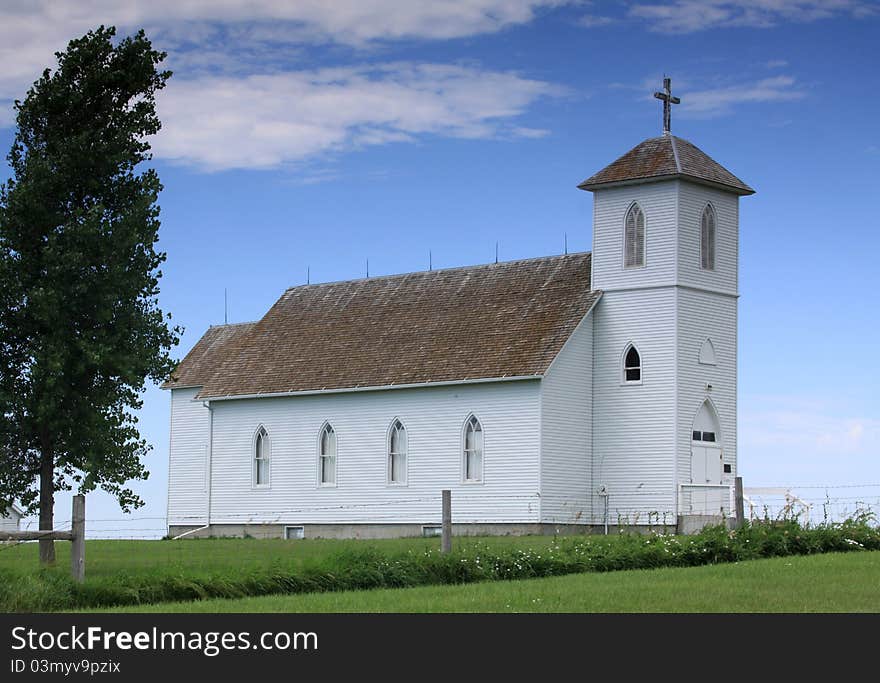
(263, 121)
(721, 100)
(687, 16)
(241, 97)
(32, 30)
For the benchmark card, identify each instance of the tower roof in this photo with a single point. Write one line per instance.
(664, 158)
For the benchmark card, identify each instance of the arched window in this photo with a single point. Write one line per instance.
(634, 238)
(397, 450)
(706, 427)
(707, 239)
(262, 457)
(472, 460)
(327, 457)
(632, 365)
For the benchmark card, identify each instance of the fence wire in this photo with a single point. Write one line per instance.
(809, 503)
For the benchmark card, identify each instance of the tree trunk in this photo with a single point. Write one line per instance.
(47, 505)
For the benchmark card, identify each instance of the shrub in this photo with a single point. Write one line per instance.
(368, 567)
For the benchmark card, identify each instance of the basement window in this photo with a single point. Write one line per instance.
(432, 530)
(294, 532)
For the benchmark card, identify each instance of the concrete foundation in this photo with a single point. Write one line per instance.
(374, 531)
(694, 524)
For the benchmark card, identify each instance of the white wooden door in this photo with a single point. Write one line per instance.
(707, 468)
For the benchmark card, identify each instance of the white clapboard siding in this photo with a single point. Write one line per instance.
(566, 431)
(187, 466)
(633, 424)
(434, 418)
(9, 520)
(659, 203)
(693, 199)
(704, 315)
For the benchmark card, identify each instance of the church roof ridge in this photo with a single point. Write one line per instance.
(663, 158)
(448, 269)
(245, 322)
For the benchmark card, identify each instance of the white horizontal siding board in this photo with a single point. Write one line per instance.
(434, 419)
(566, 431)
(706, 315)
(659, 203)
(633, 425)
(693, 199)
(9, 520)
(187, 459)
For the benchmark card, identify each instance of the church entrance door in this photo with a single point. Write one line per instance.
(706, 470)
(707, 464)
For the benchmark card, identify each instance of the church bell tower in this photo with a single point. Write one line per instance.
(665, 255)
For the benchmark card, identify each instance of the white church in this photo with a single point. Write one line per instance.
(561, 394)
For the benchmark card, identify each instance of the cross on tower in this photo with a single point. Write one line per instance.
(668, 101)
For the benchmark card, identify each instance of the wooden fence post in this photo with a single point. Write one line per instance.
(78, 539)
(738, 501)
(446, 540)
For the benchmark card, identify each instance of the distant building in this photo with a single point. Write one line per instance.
(11, 519)
(560, 393)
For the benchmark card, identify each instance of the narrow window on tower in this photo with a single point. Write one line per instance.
(634, 238)
(707, 239)
(632, 365)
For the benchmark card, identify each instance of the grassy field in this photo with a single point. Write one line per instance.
(213, 556)
(136, 573)
(835, 582)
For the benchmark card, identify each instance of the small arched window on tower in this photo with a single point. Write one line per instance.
(262, 457)
(632, 365)
(634, 238)
(707, 239)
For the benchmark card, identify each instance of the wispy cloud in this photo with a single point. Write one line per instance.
(242, 96)
(264, 121)
(32, 30)
(721, 100)
(688, 16)
(787, 437)
(594, 21)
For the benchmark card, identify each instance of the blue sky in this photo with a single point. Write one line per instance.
(302, 135)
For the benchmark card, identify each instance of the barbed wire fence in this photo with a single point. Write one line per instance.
(809, 503)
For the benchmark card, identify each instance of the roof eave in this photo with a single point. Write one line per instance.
(384, 387)
(743, 190)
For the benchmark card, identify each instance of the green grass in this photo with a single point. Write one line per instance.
(835, 582)
(130, 573)
(213, 556)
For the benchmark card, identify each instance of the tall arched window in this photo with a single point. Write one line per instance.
(634, 238)
(262, 457)
(472, 460)
(397, 450)
(707, 239)
(632, 365)
(327, 457)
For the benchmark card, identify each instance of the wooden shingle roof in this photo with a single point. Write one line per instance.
(480, 322)
(663, 158)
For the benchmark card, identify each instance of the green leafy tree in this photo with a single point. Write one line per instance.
(81, 330)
